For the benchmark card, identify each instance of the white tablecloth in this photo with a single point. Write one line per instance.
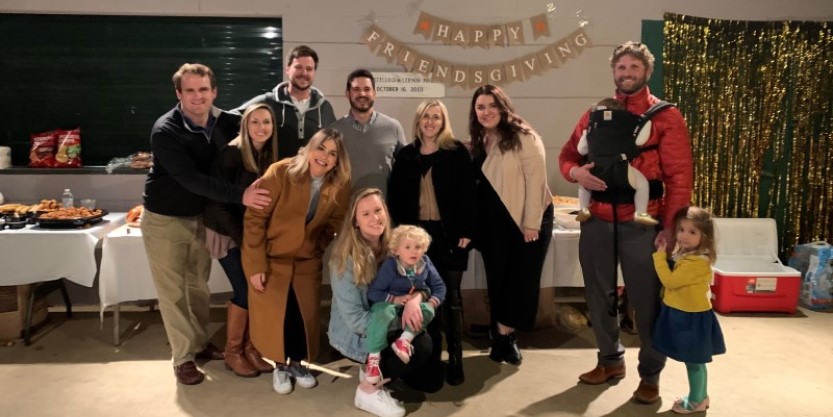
(35, 254)
(125, 272)
(561, 267)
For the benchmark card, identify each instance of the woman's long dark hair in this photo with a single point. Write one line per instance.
(510, 125)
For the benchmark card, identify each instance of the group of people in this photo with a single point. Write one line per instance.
(268, 187)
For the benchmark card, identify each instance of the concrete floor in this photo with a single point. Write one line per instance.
(777, 365)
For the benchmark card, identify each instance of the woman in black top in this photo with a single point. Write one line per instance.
(432, 185)
(240, 162)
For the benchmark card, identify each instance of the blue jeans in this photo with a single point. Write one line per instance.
(233, 266)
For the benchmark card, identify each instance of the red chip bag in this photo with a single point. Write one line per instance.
(42, 154)
(68, 154)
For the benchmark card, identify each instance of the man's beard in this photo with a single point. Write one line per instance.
(298, 87)
(354, 105)
(638, 84)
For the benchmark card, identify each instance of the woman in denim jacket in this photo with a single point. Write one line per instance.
(356, 254)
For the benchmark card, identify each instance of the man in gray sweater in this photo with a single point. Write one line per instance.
(372, 138)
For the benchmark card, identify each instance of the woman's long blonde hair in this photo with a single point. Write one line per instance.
(267, 155)
(351, 244)
(339, 175)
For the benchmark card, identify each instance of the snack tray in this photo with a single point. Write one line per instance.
(69, 223)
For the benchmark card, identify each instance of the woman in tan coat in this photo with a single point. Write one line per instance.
(283, 245)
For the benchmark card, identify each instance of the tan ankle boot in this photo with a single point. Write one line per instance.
(236, 324)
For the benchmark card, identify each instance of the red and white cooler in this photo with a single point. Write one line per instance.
(748, 276)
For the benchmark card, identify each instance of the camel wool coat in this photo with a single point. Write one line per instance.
(278, 242)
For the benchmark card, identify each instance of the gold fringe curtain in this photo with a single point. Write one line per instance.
(758, 99)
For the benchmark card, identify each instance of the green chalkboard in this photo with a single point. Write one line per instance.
(111, 75)
(653, 38)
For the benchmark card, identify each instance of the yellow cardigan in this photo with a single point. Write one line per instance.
(687, 287)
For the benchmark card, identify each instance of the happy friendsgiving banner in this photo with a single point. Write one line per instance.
(484, 36)
(472, 76)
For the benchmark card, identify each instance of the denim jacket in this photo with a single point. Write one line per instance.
(349, 315)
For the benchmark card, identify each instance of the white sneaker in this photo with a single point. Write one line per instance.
(302, 375)
(280, 380)
(378, 403)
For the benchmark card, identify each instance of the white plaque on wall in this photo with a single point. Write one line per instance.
(406, 84)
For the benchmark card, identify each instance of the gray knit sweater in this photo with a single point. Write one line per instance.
(371, 148)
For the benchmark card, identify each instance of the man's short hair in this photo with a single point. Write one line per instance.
(196, 69)
(300, 51)
(360, 73)
(635, 49)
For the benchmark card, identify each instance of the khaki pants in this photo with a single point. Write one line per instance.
(180, 265)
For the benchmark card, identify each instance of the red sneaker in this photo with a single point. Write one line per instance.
(372, 372)
(403, 349)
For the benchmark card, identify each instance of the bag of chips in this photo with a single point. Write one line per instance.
(42, 154)
(68, 154)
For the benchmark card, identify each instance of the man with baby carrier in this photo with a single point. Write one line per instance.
(609, 232)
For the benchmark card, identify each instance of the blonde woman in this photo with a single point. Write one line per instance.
(357, 252)
(283, 246)
(432, 185)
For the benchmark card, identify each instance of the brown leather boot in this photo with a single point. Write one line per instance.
(236, 324)
(255, 358)
(647, 393)
(601, 374)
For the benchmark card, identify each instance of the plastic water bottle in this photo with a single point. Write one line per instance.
(66, 199)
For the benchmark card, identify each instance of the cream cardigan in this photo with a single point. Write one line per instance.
(520, 179)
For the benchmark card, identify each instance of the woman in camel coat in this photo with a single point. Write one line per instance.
(283, 245)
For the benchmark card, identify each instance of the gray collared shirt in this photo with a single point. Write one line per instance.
(355, 124)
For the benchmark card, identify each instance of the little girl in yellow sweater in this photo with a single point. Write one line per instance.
(686, 329)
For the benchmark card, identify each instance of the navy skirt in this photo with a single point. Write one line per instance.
(688, 337)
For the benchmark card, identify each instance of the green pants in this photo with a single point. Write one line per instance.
(381, 317)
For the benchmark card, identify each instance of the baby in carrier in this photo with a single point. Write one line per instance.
(611, 141)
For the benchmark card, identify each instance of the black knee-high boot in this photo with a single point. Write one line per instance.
(453, 337)
(453, 310)
(434, 330)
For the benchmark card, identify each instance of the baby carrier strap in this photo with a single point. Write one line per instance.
(646, 117)
(656, 108)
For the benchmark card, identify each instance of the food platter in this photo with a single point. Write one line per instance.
(70, 222)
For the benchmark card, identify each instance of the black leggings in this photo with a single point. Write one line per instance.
(422, 372)
(294, 335)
